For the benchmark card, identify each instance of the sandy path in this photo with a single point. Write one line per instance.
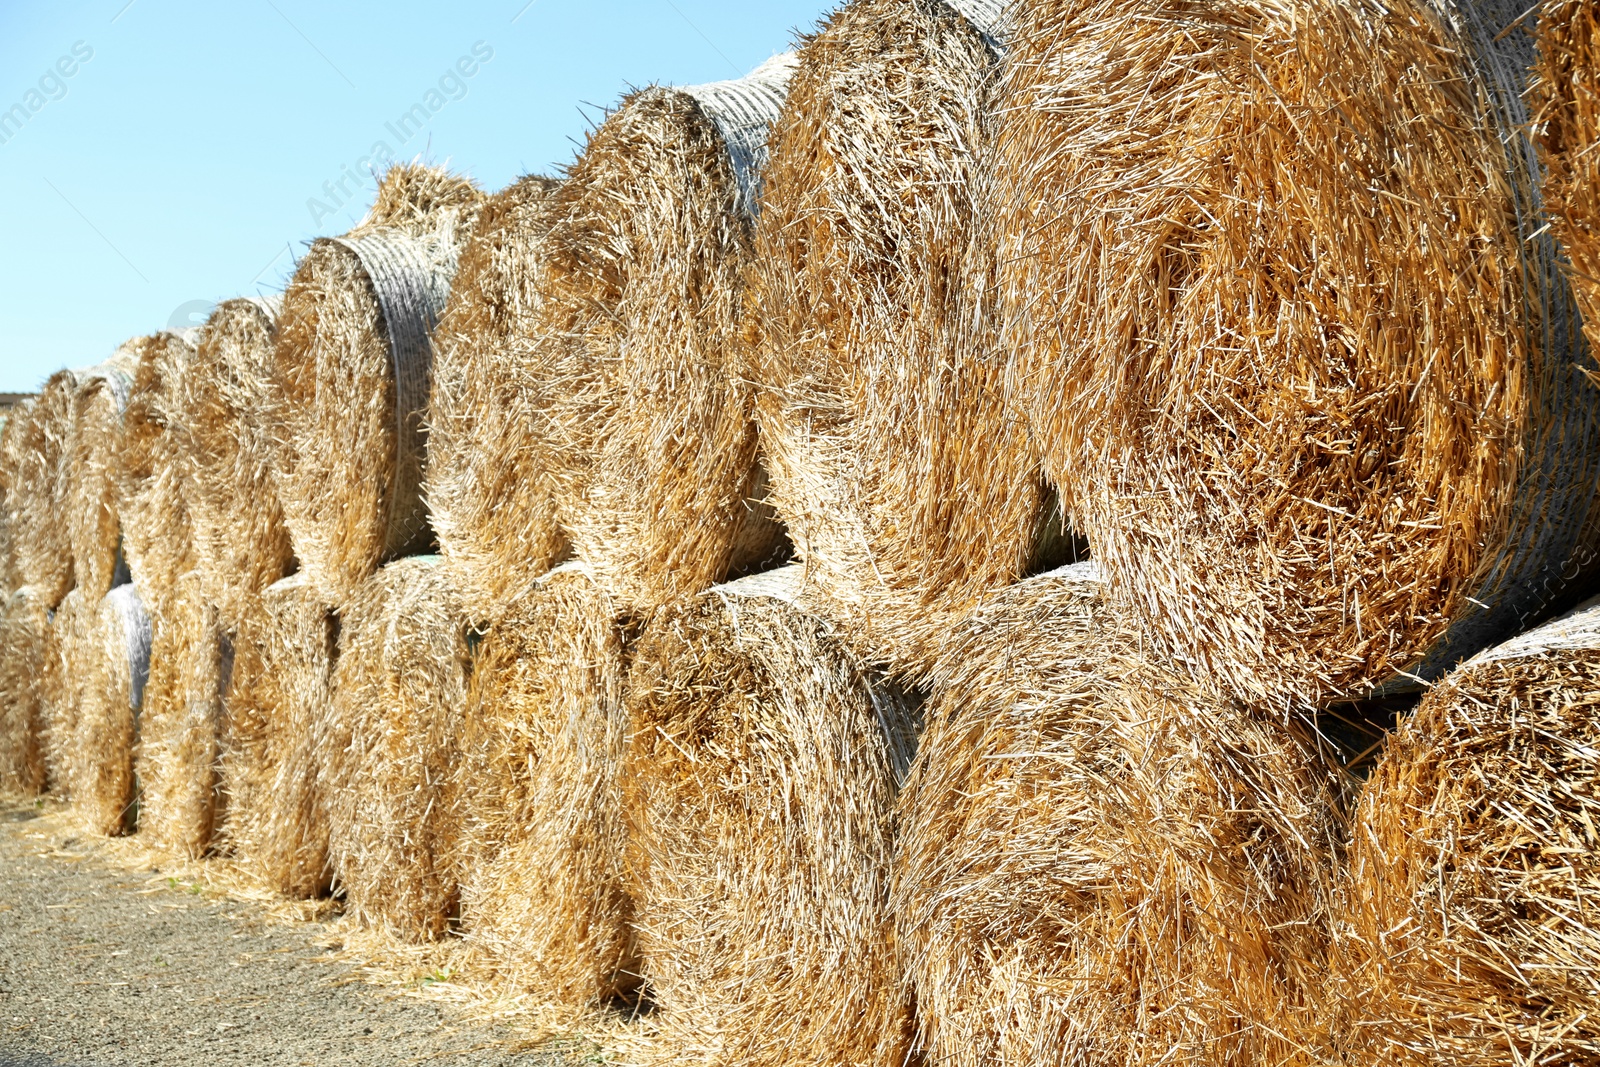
(101, 968)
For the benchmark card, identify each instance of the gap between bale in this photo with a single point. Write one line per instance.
(1097, 865)
(758, 788)
(1307, 385)
(241, 543)
(907, 485)
(393, 743)
(487, 494)
(352, 364)
(275, 755)
(182, 724)
(1469, 916)
(537, 789)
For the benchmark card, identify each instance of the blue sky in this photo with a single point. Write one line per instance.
(171, 153)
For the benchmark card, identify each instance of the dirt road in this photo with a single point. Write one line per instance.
(102, 968)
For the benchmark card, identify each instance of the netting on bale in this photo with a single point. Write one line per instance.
(24, 649)
(1469, 919)
(182, 723)
(36, 451)
(542, 887)
(91, 459)
(486, 490)
(352, 365)
(1290, 331)
(105, 663)
(274, 822)
(1097, 866)
(1565, 99)
(641, 422)
(241, 543)
(155, 473)
(758, 788)
(393, 744)
(906, 484)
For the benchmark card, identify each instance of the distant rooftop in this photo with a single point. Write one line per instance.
(11, 400)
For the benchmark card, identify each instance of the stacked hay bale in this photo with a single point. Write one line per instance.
(105, 662)
(758, 788)
(274, 820)
(24, 652)
(640, 423)
(542, 890)
(352, 364)
(182, 726)
(907, 486)
(487, 491)
(1290, 331)
(1566, 106)
(1098, 865)
(241, 543)
(36, 448)
(1468, 918)
(180, 735)
(91, 461)
(69, 646)
(154, 474)
(394, 743)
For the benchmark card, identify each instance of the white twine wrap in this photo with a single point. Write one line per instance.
(988, 17)
(1543, 550)
(136, 636)
(1576, 631)
(743, 112)
(411, 278)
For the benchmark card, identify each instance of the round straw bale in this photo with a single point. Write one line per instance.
(274, 822)
(36, 447)
(542, 890)
(10, 461)
(399, 696)
(758, 787)
(487, 492)
(107, 674)
(1096, 865)
(1469, 921)
(241, 543)
(641, 422)
(352, 365)
(1289, 331)
(181, 723)
(69, 648)
(93, 454)
(907, 485)
(1566, 103)
(155, 472)
(24, 647)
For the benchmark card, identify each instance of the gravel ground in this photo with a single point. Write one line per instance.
(100, 967)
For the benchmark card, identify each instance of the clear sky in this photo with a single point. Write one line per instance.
(160, 155)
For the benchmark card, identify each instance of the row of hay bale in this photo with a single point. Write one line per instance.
(1273, 308)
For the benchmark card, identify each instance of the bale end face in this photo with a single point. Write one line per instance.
(393, 744)
(1468, 913)
(275, 822)
(758, 787)
(542, 885)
